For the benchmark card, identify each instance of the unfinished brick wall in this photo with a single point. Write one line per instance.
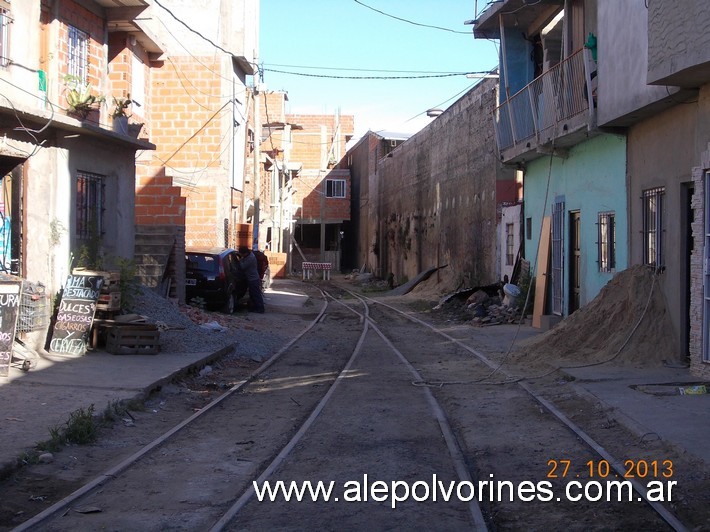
(119, 66)
(273, 107)
(316, 145)
(186, 116)
(158, 202)
(311, 195)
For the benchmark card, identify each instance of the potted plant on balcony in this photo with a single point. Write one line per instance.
(120, 115)
(80, 99)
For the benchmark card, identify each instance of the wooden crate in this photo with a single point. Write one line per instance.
(110, 302)
(133, 339)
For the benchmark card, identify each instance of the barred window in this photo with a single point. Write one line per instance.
(78, 67)
(90, 205)
(606, 241)
(509, 244)
(335, 188)
(5, 21)
(653, 226)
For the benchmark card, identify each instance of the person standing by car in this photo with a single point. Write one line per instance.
(248, 265)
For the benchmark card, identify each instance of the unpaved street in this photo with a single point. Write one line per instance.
(380, 435)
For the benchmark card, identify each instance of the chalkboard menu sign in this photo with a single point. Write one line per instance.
(9, 307)
(76, 314)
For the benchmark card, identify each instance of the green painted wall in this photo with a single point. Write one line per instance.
(592, 179)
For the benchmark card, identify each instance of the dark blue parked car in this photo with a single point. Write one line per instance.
(212, 274)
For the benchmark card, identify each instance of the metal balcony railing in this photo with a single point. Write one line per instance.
(557, 95)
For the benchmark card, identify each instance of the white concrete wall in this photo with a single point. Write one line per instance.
(509, 215)
(230, 24)
(19, 81)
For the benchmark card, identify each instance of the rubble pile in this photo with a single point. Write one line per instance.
(497, 314)
(367, 281)
(491, 309)
(189, 329)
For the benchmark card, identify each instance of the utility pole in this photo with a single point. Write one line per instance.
(257, 155)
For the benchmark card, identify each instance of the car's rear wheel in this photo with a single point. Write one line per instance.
(231, 304)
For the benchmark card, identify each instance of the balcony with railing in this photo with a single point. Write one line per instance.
(552, 111)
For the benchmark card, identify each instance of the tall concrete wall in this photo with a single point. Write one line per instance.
(362, 161)
(436, 200)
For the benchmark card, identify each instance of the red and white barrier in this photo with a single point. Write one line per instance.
(310, 267)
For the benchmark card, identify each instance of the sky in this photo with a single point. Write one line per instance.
(361, 38)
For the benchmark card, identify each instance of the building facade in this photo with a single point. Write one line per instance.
(310, 183)
(68, 179)
(637, 153)
(546, 125)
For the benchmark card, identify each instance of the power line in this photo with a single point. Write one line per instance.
(207, 67)
(360, 69)
(411, 22)
(427, 76)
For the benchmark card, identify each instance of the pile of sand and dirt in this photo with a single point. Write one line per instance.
(627, 324)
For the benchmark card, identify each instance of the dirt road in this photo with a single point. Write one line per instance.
(377, 438)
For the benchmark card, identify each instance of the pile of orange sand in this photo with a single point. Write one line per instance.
(630, 311)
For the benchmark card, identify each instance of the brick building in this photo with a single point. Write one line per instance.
(194, 191)
(310, 208)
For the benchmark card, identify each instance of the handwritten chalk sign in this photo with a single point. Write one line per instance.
(9, 307)
(70, 334)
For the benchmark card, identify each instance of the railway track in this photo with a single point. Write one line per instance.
(558, 451)
(350, 401)
(189, 478)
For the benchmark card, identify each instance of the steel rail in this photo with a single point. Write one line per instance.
(616, 464)
(447, 432)
(113, 472)
(233, 510)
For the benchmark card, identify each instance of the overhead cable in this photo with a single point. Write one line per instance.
(410, 21)
(359, 69)
(157, 2)
(427, 76)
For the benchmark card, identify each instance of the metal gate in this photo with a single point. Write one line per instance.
(558, 264)
(706, 274)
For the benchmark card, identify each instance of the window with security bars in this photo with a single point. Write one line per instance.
(90, 205)
(78, 64)
(653, 226)
(606, 242)
(509, 244)
(335, 188)
(5, 20)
